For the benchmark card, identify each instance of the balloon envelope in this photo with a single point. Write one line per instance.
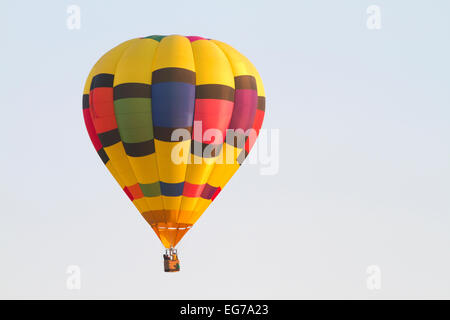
(166, 115)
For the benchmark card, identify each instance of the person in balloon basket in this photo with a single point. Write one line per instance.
(171, 262)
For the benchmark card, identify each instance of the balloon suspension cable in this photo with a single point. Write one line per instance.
(171, 262)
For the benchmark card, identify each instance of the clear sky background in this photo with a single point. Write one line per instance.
(364, 176)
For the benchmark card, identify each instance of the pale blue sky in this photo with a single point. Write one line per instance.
(364, 155)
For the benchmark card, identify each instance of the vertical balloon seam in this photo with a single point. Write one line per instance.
(119, 178)
(190, 146)
(88, 119)
(191, 169)
(184, 179)
(255, 118)
(90, 128)
(199, 214)
(164, 210)
(167, 209)
(234, 109)
(155, 226)
(192, 140)
(191, 154)
(251, 70)
(234, 101)
(147, 202)
(115, 115)
(117, 101)
(115, 118)
(169, 75)
(188, 168)
(94, 138)
(260, 107)
(224, 143)
(119, 143)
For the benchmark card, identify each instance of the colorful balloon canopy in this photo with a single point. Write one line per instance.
(144, 89)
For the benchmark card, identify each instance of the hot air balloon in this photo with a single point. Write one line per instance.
(145, 91)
